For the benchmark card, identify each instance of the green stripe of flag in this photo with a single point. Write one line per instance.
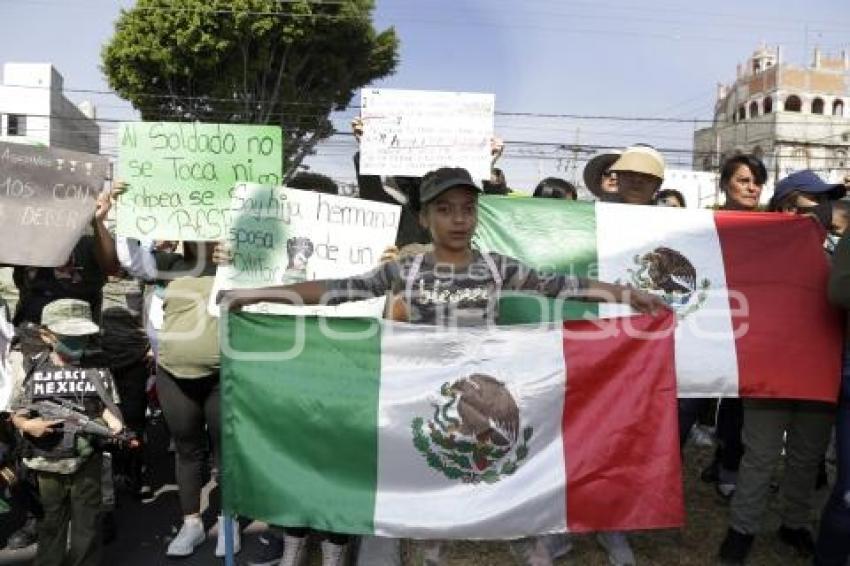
(547, 234)
(307, 436)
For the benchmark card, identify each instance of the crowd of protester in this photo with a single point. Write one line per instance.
(121, 308)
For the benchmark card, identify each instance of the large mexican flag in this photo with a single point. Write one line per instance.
(749, 289)
(365, 426)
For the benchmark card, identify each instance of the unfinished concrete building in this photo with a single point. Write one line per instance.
(793, 117)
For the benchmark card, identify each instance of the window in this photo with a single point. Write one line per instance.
(17, 125)
(768, 105)
(840, 159)
(742, 113)
(838, 108)
(817, 106)
(754, 109)
(793, 104)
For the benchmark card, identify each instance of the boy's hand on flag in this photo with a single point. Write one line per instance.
(644, 302)
(389, 255)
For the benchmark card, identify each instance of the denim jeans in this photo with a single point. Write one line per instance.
(833, 545)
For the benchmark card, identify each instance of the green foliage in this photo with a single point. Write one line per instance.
(490, 476)
(420, 441)
(248, 62)
(509, 468)
(308, 181)
(459, 459)
(521, 452)
(454, 473)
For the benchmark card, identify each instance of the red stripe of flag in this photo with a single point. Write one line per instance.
(620, 426)
(789, 343)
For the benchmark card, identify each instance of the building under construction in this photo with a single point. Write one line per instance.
(793, 117)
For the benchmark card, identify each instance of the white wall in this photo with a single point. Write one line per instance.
(35, 91)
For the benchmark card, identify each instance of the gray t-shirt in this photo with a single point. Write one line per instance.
(442, 295)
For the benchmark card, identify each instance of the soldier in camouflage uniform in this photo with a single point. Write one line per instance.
(67, 465)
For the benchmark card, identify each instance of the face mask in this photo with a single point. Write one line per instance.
(823, 212)
(71, 347)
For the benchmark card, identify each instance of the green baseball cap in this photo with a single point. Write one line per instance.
(436, 182)
(69, 317)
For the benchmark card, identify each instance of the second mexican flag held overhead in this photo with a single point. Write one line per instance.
(363, 426)
(749, 289)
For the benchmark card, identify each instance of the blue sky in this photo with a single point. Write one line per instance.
(658, 58)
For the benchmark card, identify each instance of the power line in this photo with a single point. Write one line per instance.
(498, 113)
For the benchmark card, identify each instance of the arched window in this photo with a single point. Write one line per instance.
(768, 105)
(840, 161)
(793, 104)
(838, 108)
(817, 106)
(742, 113)
(754, 109)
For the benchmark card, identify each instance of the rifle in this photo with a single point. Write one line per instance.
(74, 415)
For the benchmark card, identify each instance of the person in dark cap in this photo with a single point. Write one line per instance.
(449, 210)
(805, 193)
(801, 428)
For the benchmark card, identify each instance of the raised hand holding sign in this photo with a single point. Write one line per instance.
(47, 198)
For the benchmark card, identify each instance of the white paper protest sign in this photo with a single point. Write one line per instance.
(411, 132)
(280, 235)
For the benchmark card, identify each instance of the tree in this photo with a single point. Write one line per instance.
(309, 181)
(284, 62)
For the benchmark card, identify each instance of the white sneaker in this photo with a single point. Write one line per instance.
(332, 554)
(617, 546)
(294, 551)
(726, 490)
(237, 538)
(191, 536)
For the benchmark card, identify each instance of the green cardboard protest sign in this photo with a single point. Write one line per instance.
(181, 175)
